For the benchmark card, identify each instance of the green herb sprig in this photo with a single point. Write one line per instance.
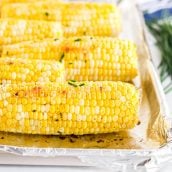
(162, 32)
(62, 57)
(77, 40)
(75, 83)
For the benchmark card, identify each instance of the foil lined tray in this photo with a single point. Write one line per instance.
(144, 146)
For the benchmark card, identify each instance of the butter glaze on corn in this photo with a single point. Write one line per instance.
(77, 18)
(85, 58)
(68, 108)
(14, 70)
(16, 30)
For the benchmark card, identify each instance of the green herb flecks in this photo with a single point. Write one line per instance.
(62, 57)
(77, 40)
(46, 14)
(56, 39)
(162, 32)
(72, 81)
(72, 84)
(75, 83)
(81, 84)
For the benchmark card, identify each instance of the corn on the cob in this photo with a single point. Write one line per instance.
(26, 70)
(13, 30)
(81, 18)
(68, 108)
(85, 58)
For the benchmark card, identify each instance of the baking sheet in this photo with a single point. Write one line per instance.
(146, 138)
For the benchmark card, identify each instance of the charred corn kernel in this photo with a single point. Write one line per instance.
(34, 117)
(18, 70)
(15, 30)
(81, 18)
(85, 58)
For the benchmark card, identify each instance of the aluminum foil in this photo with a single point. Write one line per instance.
(146, 146)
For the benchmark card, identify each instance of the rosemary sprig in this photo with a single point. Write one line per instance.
(162, 32)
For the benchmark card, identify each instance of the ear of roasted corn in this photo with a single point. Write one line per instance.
(85, 58)
(13, 30)
(68, 108)
(77, 18)
(26, 70)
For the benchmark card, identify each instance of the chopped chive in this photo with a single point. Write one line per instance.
(56, 39)
(72, 84)
(81, 84)
(62, 57)
(72, 81)
(91, 37)
(46, 13)
(76, 40)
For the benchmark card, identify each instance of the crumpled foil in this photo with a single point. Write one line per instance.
(144, 147)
